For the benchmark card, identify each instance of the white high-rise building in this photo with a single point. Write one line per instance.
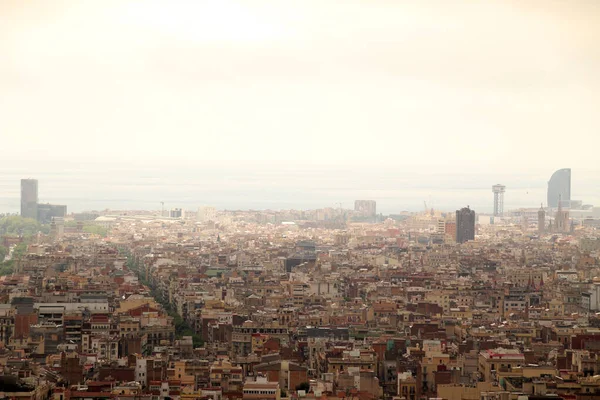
(366, 208)
(206, 213)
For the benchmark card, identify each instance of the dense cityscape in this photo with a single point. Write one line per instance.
(332, 303)
(299, 200)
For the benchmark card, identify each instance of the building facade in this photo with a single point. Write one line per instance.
(541, 220)
(29, 198)
(366, 208)
(559, 186)
(465, 225)
(47, 212)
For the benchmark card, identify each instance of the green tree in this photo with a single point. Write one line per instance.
(197, 340)
(18, 226)
(3, 253)
(95, 230)
(6, 268)
(19, 250)
(182, 327)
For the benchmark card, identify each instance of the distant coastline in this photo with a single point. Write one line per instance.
(94, 187)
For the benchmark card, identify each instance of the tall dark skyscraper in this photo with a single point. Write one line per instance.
(465, 225)
(559, 185)
(29, 198)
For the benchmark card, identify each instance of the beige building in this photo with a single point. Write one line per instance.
(461, 392)
(261, 389)
(491, 361)
(355, 359)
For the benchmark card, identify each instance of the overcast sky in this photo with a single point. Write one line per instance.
(324, 81)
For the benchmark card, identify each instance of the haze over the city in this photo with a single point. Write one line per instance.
(221, 102)
(96, 186)
(299, 200)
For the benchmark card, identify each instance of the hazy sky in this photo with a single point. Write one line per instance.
(321, 81)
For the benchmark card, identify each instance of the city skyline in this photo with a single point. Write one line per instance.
(299, 200)
(270, 106)
(447, 198)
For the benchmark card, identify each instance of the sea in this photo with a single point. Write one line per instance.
(87, 186)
